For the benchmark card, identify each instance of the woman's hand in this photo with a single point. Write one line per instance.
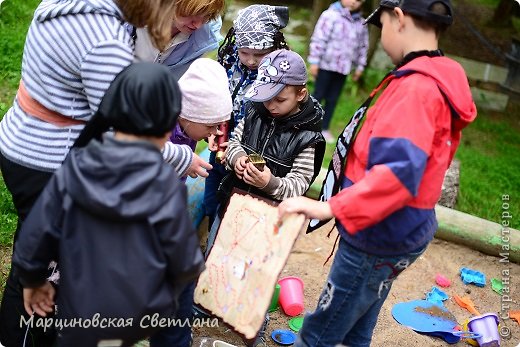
(198, 167)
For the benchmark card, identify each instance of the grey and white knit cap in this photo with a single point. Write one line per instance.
(256, 25)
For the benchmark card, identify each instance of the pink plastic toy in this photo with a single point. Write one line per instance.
(442, 281)
(291, 295)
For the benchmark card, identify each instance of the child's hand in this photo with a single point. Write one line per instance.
(356, 75)
(39, 300)
(310, 208)
(313, 70)
(255, 177)
(240, 166)
(223, 146)
(212, 143)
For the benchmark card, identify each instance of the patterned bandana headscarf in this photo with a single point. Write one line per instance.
(256, 25)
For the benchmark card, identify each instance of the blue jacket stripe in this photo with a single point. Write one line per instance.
(406, 160)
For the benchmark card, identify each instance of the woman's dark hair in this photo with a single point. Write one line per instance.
(227, 48)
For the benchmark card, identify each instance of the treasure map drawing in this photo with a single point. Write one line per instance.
(249, 253)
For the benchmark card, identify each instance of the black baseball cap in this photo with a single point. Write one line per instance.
(419, 8)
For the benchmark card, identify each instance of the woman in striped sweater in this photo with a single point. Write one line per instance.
(73, 51)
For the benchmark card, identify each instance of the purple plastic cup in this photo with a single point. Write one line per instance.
(487, 326)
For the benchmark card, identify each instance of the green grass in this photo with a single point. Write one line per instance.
(15, 17)
(489, 163)
(8, 218)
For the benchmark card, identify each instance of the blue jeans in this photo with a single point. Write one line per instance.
(178, 336)
(356, 288)
(213, 230)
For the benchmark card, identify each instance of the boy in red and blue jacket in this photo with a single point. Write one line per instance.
(392, 175)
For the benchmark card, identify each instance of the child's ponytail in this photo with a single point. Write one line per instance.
(279, 41)
(227, 49)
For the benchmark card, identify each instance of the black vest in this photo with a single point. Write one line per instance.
(279, 141)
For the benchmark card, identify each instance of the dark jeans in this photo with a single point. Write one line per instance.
(25, 185)
(210, 191)
(178, 336)
(213, 230)
(356, 288)
(328, 86)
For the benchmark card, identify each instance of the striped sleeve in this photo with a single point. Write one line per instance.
(296, 182)
(178, 156)
(235, 150)
(100, 66)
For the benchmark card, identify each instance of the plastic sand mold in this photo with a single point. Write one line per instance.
(436, 296)
(515, 315)
(497, 285)
(429, 318)
(274, 299)
(283, 337)
(467, 303)
(472, 276)
(296, 323)
(442, 281)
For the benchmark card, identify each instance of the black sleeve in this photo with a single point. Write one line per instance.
(179, 240)
(38, 240)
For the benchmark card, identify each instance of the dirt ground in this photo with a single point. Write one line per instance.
(310, 252)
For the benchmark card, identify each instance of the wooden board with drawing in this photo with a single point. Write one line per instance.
(242, 268)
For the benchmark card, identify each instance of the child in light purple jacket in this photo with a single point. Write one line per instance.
(338, 44)
(206, 102)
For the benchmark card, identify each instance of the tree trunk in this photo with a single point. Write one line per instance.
(318, 6)
(374, 33)
(503, 14)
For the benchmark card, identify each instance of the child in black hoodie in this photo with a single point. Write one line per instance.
(114, 216)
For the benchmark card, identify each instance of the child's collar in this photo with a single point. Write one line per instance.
(412, 55)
